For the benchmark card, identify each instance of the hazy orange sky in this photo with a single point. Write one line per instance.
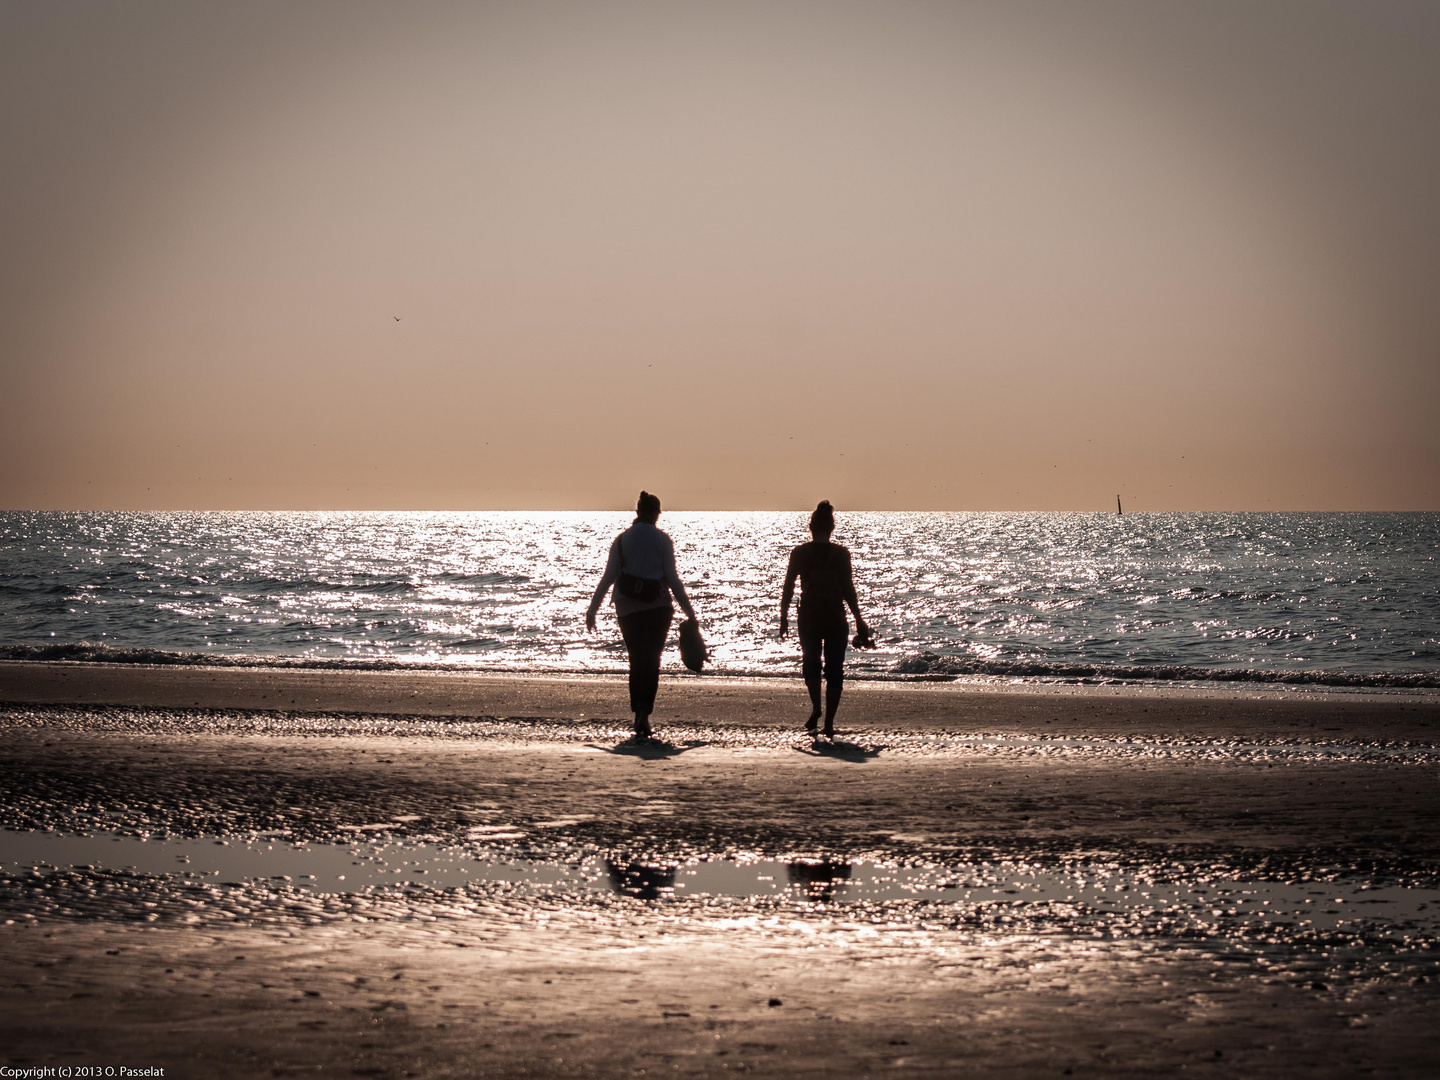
(748, 255)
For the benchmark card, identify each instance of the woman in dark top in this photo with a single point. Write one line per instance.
(826, 589)
(641, 566)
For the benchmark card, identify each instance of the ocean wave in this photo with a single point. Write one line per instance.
(932, 664)
(923, 665)
(84, 652)
(87, 653)
(265, 587)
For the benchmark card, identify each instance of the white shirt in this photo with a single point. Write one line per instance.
(648, 553)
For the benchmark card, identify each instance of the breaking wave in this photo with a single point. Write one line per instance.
(926, 665)
(932, 665)
(86, 653)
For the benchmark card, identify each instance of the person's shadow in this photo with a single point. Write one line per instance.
(649, 750)
(841, 751)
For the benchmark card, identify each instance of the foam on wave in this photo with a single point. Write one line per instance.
(85, 652)
(922, 665)
(932, 664)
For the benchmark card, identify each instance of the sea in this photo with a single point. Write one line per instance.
(1296, 601)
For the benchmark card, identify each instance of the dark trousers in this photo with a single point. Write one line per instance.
(645, 633)
(827, 643)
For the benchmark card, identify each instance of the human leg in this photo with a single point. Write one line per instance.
(645, 633)
(836, 640)
(811, 644)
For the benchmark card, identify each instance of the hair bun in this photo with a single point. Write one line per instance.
(823, 519)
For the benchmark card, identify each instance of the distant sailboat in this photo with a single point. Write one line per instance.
(1117, 506)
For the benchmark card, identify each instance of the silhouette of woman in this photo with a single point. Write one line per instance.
(641, 566)
(827, 587)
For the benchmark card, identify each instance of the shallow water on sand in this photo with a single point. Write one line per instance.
(442, 824)
(1206, 902)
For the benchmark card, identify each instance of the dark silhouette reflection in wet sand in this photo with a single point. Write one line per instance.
(641, 880)
(844, 751)
(820, 880)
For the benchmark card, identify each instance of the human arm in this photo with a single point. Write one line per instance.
(672, 578)
(787, 593)
(608, 578)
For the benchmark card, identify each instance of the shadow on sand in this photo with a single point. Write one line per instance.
(844, 751)
(649, 750)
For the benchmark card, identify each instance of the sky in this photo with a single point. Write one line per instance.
(1027, 254)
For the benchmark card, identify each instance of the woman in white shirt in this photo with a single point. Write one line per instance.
(641, 566)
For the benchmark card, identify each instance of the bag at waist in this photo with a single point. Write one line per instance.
(645, 590)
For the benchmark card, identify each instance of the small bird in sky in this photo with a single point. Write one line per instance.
(397, 318)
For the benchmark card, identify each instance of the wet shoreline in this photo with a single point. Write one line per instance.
(1106, 710)
(1164, 858)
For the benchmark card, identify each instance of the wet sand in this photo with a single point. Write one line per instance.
(1181, 785)
(912, 706)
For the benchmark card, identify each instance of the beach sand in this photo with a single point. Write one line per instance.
(1198, 785)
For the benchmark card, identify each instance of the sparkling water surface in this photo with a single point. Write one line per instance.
(1088, 891)
(1320, 600)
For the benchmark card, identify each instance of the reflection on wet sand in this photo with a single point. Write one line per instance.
(641, 880)
(163, 877)
(819, 879)
(1148, 891)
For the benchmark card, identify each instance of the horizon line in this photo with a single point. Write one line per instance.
(696, 510)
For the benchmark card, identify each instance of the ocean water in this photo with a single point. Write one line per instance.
(1302, 600)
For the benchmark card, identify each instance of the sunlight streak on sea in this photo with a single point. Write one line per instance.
(1325, 600)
